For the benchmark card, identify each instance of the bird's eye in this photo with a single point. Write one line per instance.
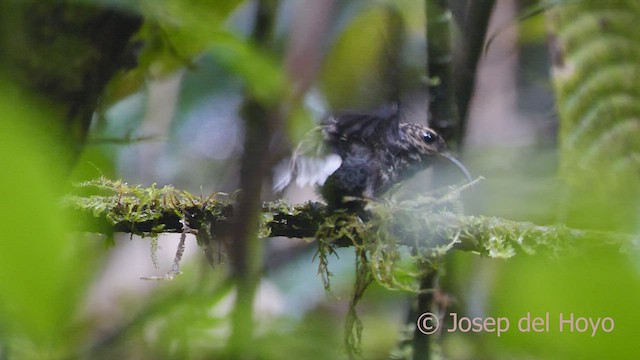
(428, 137)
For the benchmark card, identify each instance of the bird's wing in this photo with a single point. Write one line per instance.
(311, 163)
(380, 125)
(305, 170)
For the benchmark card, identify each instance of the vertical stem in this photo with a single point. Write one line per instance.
(422, 342)
(444, 118)
(246, 256)
(443, 114)
(473, 19)
(392, 57)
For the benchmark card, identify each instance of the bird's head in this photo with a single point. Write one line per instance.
(425, 142)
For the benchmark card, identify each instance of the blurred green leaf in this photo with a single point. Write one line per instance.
(261, 73)
(183, 30)
(351, 73)
(299, 123)
(598, 285)
(41, 266)
(597, 82)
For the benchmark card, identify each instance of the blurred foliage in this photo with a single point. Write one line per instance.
(189, 319)
(179, 31)
(597, 81)
(43, 269)
(350, 80)
(48, 50)
(595, 284)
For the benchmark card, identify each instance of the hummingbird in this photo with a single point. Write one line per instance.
(362, 155)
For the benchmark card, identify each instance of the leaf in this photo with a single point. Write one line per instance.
(351, 71)
(42, 267)
(596, 76)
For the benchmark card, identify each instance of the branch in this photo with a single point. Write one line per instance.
(152, 210)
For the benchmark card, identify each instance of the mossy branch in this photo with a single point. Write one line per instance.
(415, 223)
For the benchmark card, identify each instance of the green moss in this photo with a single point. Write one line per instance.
(120, 203)
(401, 240)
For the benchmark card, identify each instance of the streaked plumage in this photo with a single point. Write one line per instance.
(364, 155)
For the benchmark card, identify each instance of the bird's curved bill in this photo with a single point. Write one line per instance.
(458, 164)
